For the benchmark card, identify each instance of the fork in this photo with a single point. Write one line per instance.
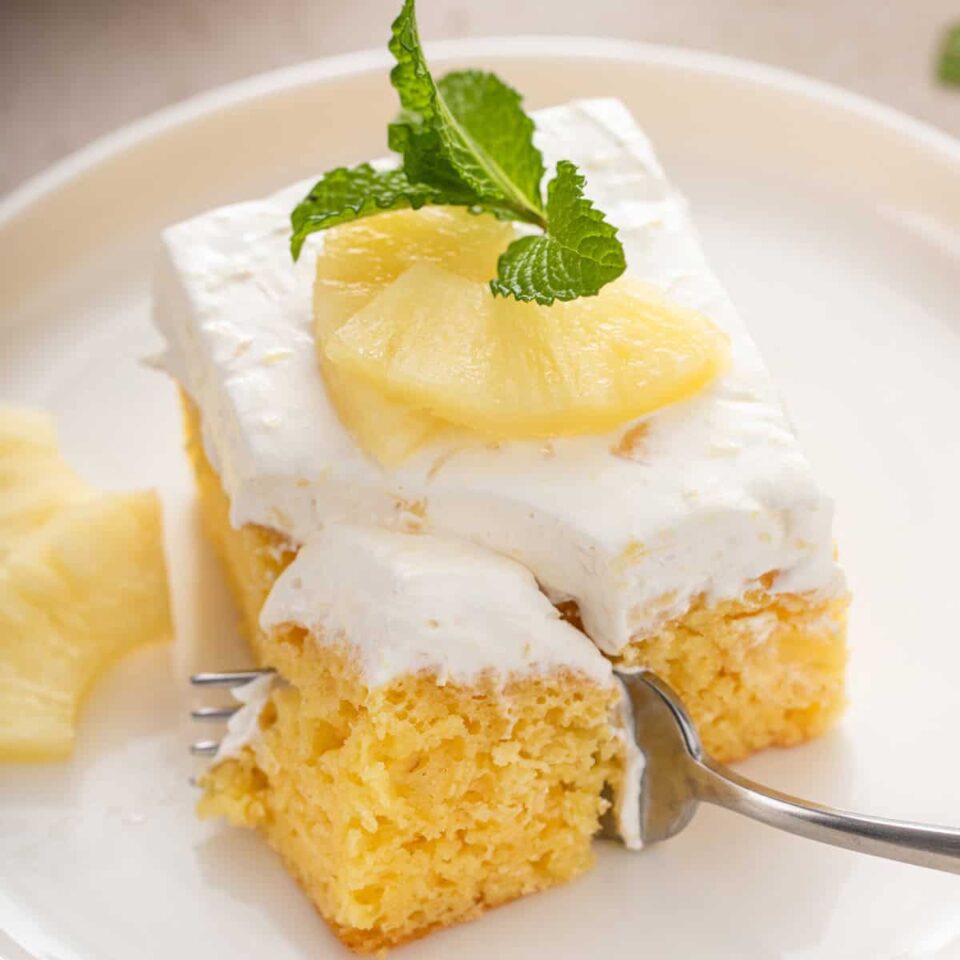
(678, 776)
(229, 679)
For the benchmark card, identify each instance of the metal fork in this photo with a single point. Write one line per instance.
(229, 679)
(678, 776)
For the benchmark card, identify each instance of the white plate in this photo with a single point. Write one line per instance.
(835, 223)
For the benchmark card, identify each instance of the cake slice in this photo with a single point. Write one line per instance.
(694, 540)
(439, 742)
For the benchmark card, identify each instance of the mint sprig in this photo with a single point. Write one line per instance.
(575, 257)
(949, 67)
(466, 141)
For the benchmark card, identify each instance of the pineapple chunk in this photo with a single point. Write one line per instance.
(387, 430)
(82, 581)
(441, 343)
(359, 260)
(413, 345)
(35, 482)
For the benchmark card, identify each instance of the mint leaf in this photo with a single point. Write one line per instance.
(348, 193)
(466, 141)
(470, 129)
(579, 253)
(491, 119)
(949, 69)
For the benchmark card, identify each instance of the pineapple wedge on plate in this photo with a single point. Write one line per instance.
(82, 581)
(35, 483)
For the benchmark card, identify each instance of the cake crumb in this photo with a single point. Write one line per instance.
(442, 461)
(569, 610)
(411, 514)
(631, 445)
(768, 579)
(272, 357)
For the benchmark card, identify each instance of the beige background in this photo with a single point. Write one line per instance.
(72, 70)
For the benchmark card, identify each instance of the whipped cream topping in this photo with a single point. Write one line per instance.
(701, 498)
(412, 602)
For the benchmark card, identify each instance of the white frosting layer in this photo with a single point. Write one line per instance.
(717, 495)
(410, 602)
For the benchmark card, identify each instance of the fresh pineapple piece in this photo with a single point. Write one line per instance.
(442, 343)
(413, 345)
(82, 581)
(35, 482)
(358, 261)
(387, 430)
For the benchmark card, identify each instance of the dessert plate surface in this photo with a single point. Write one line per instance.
(835, 222)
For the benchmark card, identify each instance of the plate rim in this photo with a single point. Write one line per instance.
(535, 46)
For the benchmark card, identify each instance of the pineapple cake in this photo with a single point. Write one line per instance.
(463, 455)
(82, 582)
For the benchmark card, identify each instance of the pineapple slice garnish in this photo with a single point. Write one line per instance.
(411, 339)
(82, 581)
(358, 261)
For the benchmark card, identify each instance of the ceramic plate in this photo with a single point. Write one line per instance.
(836, 225)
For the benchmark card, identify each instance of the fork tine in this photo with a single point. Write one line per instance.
(213, 713)
(227, 678)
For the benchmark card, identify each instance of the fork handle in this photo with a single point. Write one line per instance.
(916, 843)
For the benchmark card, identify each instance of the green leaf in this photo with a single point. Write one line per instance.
(469, 130)
(576, 257)
(349, 193)
(467, 142)
(949, 69)
(496, 136)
